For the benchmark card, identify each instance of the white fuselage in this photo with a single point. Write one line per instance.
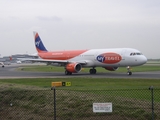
(90, 57)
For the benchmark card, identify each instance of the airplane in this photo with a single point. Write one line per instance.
(6, 62)
(1, 63)
(74, 60)
(18, 62)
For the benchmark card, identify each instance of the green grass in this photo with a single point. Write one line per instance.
(88, 83)
(91, 84)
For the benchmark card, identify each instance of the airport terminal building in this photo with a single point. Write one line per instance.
(7, 60)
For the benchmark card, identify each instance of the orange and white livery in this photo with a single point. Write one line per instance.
(74, 60)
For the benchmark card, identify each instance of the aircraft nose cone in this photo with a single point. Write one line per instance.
(144, 60)
(141, 60)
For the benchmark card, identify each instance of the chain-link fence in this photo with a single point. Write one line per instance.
(59, 104)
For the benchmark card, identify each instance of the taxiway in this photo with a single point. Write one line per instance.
(11, 72)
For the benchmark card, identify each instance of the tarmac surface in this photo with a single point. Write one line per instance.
(10, 71)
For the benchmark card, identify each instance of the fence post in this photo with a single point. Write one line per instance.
(152, 98)
(54, 93)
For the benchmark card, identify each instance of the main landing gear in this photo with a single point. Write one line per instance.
(92, 71)
(68, 73)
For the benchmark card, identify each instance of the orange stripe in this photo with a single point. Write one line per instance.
(60, 55)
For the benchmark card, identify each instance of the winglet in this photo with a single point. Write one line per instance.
(38, 43)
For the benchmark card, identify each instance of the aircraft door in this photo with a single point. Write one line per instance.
(123, 54)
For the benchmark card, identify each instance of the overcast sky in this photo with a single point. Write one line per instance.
(80, 24)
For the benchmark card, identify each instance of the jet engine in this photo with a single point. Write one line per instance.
(111, 68)
(73, 67)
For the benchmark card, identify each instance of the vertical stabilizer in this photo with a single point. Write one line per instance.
(39, 44)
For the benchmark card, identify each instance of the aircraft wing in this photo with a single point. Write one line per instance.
(53, 61)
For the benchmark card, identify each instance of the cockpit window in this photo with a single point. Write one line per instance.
(139, 53)
(132, 54)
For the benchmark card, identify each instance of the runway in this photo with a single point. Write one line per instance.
(11, 72)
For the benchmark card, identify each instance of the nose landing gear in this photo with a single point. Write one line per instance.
(129, 70)
(129, 73)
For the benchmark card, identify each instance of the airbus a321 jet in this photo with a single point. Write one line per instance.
(74, 60)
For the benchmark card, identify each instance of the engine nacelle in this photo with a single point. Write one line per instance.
(73, 67)
(111, 68)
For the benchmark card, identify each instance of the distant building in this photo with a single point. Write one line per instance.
(15, 58)
(2, 59)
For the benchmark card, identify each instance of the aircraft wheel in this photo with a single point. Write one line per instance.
(3, 66)
(129, 73)
(92, 71)
(68, 73)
